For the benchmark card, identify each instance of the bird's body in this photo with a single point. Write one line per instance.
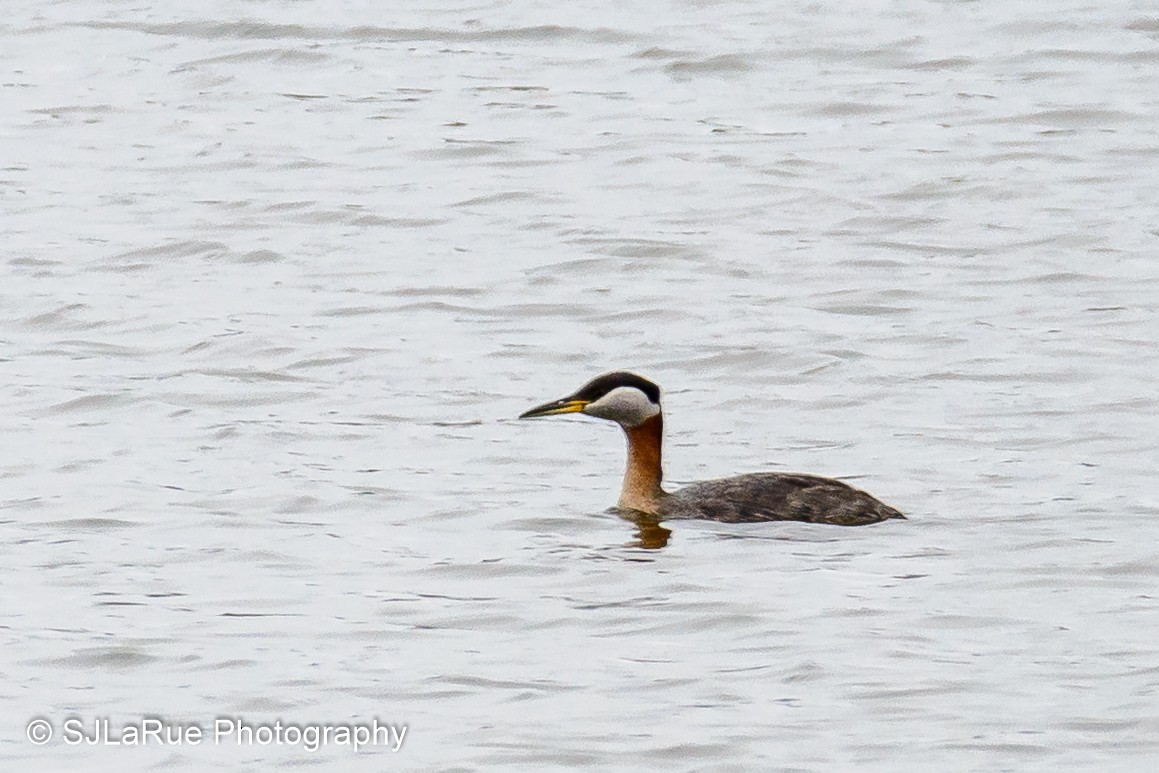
(634, 403)
(775, 496)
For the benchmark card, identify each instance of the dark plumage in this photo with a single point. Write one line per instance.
(775, 496)
(601, 385)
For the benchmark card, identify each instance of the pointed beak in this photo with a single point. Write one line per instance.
(556, 407)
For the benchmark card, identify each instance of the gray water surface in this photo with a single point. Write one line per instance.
(277, 277)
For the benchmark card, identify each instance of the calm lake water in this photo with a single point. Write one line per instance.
(277, 277)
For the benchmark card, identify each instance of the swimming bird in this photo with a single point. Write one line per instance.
(633, 402)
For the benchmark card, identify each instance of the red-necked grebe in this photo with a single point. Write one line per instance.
(634, 403)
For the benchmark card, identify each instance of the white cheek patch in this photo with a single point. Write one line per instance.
(626, 405)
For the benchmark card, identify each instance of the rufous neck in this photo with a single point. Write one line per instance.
(642, 479)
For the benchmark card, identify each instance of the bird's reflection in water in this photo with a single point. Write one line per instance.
(650, 535)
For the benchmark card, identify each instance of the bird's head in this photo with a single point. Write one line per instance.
(622, 397)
